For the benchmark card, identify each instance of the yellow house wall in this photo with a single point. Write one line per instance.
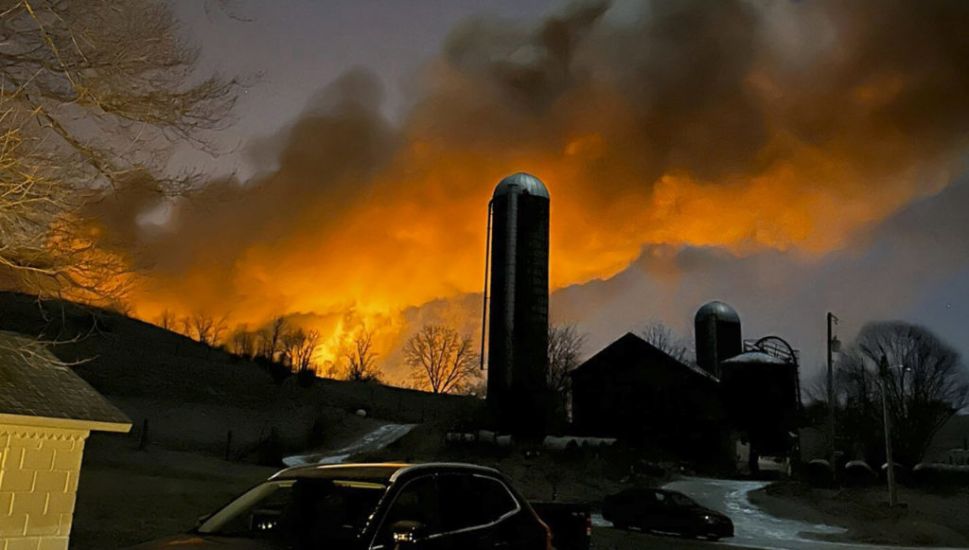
(39, 469)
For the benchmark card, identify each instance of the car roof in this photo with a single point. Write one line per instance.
(385, 472)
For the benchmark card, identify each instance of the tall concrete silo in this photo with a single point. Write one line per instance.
(718, 335)
(518, 324)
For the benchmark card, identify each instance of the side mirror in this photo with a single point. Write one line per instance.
(407, 534)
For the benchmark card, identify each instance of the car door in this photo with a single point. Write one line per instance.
(683, 515)
(461, 525)
(659, 516)
(509, 525)
(418, 500)
(479, 512)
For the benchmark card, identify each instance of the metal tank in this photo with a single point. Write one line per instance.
(761, 395)
(718, 335)
(518, 294)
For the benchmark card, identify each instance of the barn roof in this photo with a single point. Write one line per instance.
(35, 386)
(632, 345)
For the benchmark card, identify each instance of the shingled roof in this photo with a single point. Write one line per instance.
(34, 384)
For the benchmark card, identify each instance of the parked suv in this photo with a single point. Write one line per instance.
(373, 507)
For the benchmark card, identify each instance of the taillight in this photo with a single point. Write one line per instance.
(588, 526)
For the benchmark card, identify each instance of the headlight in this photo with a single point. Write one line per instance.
(709, 519)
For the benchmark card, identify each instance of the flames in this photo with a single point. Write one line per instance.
(643, 136)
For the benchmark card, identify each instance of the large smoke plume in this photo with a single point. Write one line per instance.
(790, 127)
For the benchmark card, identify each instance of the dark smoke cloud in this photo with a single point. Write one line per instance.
(720, 136)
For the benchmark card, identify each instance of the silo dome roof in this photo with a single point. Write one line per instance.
(524, 183)
(719, 310)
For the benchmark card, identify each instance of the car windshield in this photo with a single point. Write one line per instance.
(305, 513)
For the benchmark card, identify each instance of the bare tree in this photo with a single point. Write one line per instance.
(243, 342)
(441, 359)
(166, 320)
(664, 339)
(92, 95)
(926, 383)
(360, 360)
(564, 350)
(206, 329)
(269, 345)
(299, 346)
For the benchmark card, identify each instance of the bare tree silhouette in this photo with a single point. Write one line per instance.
(664, 339)
(564, 351)
(205, 328)
(299, 346)
(441, 359)
(360, 360)
(925, 384)
(269, 345)
(92, 95)
(243, 342)
(167, 320)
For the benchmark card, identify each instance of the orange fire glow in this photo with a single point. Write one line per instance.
(643, 136)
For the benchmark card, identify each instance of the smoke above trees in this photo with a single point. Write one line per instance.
(737, 129)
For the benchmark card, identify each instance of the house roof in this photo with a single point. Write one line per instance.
(631, 344)
(37, 389)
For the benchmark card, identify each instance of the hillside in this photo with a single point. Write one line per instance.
(193, 395)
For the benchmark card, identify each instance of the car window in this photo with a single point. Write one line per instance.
(305, 513)
(682, 500)
(418, 501)
(470, 501)
(494, 498)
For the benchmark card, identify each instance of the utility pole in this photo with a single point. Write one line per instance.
(883, 373)
(832, 343)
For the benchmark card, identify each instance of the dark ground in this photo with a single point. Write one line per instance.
(929, 518)
(126, 496)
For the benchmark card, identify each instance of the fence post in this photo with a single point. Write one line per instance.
(143, 437)
(228, 444)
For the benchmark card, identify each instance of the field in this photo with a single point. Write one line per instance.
(927, 518)
(127, 496)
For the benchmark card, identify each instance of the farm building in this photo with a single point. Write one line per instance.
(638, 393)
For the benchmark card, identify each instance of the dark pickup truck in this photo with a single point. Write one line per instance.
(571, 524)
(374, 507)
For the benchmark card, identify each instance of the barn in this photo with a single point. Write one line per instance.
(635, 392)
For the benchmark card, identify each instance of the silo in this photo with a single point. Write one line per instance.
(761, 398)
(718, 335)
(518, 324)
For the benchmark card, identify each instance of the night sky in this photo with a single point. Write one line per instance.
(789, 159)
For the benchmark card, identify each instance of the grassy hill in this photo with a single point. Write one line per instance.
(193, 395)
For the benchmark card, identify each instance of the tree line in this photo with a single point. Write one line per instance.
(439, 358)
